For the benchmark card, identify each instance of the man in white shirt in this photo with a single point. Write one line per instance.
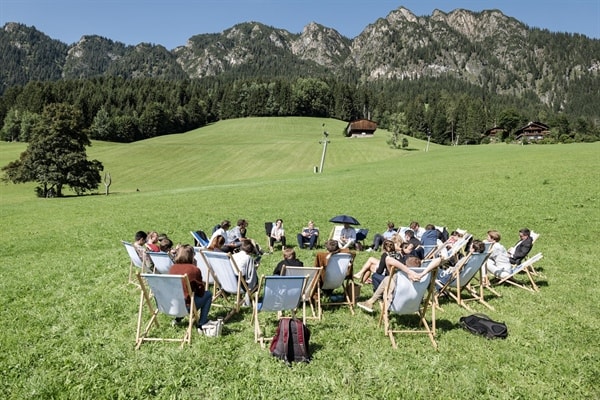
(347, 237)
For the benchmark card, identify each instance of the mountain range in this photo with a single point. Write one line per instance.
(488, 49)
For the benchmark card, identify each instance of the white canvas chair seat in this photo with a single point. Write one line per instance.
(164, 294)
(311, 295)
(281, 293)
(134, 260)
(337, 274)
(405, 297)
(526, 267)
(161, 260)
(230, 281)
(459, 281)
(207, 274)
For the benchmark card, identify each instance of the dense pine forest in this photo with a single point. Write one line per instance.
(453, 86)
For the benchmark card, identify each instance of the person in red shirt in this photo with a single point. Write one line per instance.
(184, 264)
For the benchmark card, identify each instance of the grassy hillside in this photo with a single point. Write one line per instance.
(69, 315)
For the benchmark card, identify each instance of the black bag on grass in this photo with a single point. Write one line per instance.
(291, 341)
(481, 324)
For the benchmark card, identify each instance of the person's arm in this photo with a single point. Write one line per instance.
(433, 264)
(392, 262)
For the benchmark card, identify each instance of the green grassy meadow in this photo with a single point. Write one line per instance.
(69, 315)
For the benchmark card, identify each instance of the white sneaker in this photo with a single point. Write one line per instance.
(370, 250)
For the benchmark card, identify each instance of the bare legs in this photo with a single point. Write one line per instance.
(367, 269)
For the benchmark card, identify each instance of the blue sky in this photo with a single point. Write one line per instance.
(171, 22)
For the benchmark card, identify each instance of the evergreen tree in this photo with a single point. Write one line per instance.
(56, 155)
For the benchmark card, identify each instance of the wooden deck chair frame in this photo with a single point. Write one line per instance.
(230, 281)
(464, 272)
(527, 268)
(162, 261)
(457, 248)
(312, 294)
(280, 293)
(404, 297)
(135, 261)
(337, 274)
(207, 275)
(534, 237)
(164, 294)
(199, 239)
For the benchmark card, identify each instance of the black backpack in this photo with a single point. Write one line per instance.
(291, 341)
(481, 324)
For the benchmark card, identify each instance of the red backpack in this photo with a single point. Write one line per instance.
(291, 341)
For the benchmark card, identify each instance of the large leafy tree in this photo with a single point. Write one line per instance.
(56, 155)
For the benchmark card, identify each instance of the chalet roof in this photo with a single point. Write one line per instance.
(494, 130)
(361, 127)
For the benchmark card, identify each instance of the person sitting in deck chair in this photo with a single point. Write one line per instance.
(522, 248)
(185, 265)
(499, 262)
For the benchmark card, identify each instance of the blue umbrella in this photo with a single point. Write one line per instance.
(344, 219)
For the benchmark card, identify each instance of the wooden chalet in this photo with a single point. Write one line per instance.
(361, 128)
(494, 134)
(532, 131)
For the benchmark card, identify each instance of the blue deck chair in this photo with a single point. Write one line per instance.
(281, 293)
(456, 280)
(526, 267)
(338, 274)
(161, 260)
(405, 297)
(312, 295)
(135, 260)
(232, 287)
(164, 294)
(200, 238)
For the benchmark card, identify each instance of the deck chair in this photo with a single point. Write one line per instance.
(200, 238)
(207, 275)
(281, 293)
(135, 261)
(161, 260)
(361, 235)
(405, 297)
(527, 268)
(459, 280)
(317, 242)
(488, 246)
(336, 233)
(429, 251)
(337, 274)
(312, 295)
(268, 229)
(164, 294)
(230, 281)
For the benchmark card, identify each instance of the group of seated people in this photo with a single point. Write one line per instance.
(401, 249)
(403, 255)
